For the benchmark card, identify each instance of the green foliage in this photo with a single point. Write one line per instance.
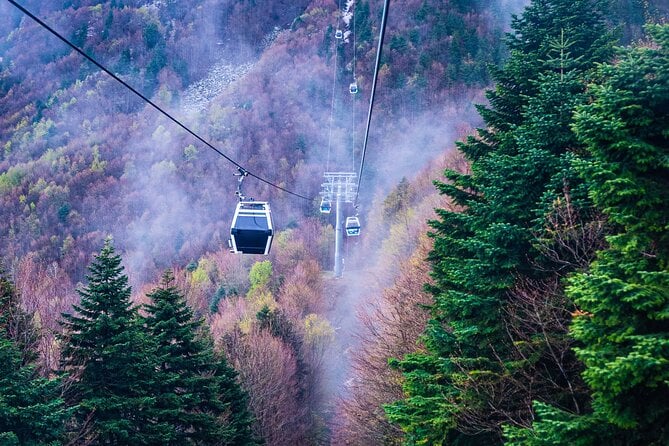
(9, 439)
(78, 37)
(559, 55)
(97, 165)
(452, 50)
(518, 163)
(157, 63)
(222, 292)
(110, 361)
(398, 43)
(31, 409)
(363, 26)
(260, 274)
(151, 380)
(192, 395)
(624, 322)
(239, 419)
(15, 324)
(11, 178)
(201, 274)
(109, 20)
(621, 323)
(554, 427)
(64, 212)
(151, 35)
(317, 330)
(399, 201)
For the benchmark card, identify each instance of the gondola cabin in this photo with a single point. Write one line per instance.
(326, 206)
(339, 34)
(352, 226)
(251, 231)
(353, 88)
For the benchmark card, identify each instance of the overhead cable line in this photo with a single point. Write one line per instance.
(353, 132)
(382, 32)
(355, 49)
(149, 101)
(355, 81)
(334, 87)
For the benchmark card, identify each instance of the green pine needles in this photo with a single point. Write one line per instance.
(623, 326)
(109, 359)
(622, 322)
(551, 286)
(31, 409)
(196, 390)
(152, 380)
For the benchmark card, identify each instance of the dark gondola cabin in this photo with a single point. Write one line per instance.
(251, 231)
(352, 226)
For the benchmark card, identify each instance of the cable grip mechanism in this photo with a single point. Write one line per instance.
(242, 174)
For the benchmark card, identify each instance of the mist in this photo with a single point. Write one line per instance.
(270, 98)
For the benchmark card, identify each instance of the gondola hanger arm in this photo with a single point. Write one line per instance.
(242, 174)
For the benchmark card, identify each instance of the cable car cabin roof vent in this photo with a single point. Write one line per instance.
(251, 231)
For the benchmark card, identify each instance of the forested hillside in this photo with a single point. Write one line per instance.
(529, 308)
(72, 136)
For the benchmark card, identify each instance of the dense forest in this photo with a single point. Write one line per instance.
(511, 283)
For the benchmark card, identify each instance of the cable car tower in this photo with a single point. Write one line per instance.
(339, 188)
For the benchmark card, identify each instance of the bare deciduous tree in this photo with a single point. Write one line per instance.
(537, 315)
(46, 292)
(268, 371)
(392, 326)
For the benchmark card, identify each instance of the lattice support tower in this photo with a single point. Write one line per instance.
(342, 184)
(339, 188)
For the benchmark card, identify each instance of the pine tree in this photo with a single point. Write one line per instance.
(194, 391)
(110, 362)
(238, 417)
(471, 380)
(31, 409)
(622, 322)
(15, 323)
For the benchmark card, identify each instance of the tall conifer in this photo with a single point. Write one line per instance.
(622, 323)
(238, 418)
(193, 390)
(31, 409)
(469, 381)
(110, 361)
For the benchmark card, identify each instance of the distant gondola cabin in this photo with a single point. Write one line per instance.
(326, 206)
(352, 226)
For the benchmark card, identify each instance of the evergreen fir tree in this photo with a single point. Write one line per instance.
(462, 389)
(622, 322)
(238, 418)
(624, 299)
(15, 323)
(110, 362)
(31, 409)
(193, 389)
